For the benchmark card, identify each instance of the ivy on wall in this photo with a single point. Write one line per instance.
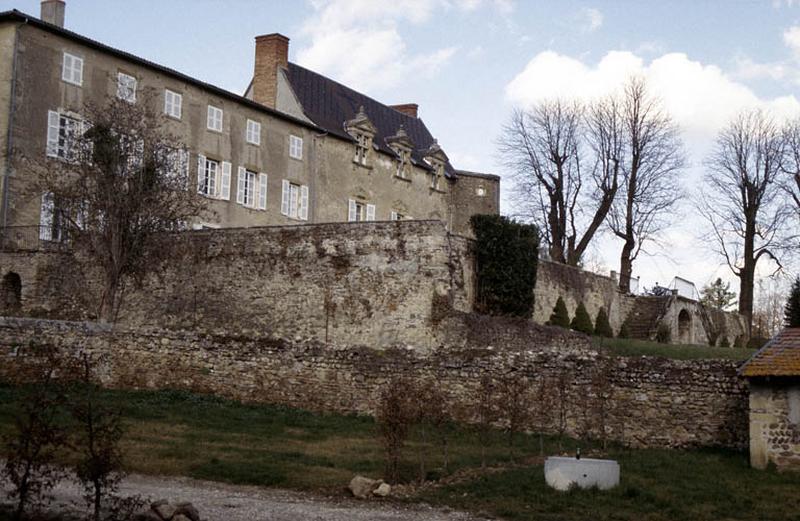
(506, 257)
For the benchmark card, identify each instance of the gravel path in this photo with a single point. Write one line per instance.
(221, 502)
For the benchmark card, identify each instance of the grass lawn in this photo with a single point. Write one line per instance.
(178, 433)
(631, 347)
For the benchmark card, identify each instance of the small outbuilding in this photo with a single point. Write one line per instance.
(774, 377)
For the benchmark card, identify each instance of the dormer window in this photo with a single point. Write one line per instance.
(402, 163)
(436, 175)
(362, 130)
(436, 158)
(363, 142)
(402, 146)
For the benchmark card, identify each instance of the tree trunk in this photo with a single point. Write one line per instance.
(626, 266)
(747, 273)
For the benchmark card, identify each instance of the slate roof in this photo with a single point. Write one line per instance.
(330, 104)
(779, 357)
(18, 16)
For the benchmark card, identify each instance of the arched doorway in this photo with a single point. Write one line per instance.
(685, 327)
(11, 291)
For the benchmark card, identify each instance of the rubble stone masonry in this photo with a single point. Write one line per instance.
(642, 402)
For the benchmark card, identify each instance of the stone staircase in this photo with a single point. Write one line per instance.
(643, 318)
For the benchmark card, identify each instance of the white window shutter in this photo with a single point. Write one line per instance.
(351, 210)
(304, 202)
(393, 215)
(46, 217)
(201, 172)
(78, 65)
(225, 184)
(285, 198)
(52, 133)
(262, 191)
(240, 185)
(370, 212)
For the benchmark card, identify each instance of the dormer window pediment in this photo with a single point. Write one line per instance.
(362, 130)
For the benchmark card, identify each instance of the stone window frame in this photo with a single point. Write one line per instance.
(436, 175)
(363, 142)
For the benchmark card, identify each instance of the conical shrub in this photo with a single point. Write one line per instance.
(602, 327)
(582, 321)
(560, 315)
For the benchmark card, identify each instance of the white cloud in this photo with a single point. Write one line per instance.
(747, 69)
(791, 37)
(592, 19)
(701, 98)
(359, 43)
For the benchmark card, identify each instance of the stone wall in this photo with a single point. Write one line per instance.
(775, 423)
(689, 321)
(357, 283)
(575, 285)
(649, 402)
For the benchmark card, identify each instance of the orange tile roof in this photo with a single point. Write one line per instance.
(779, 357)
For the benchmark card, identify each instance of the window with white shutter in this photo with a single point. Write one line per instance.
(214, 121)
(201, 174)
(303, 203)
(225, 184)
(358, 211)
(62, 131)
(262, 191)
(240, 180)
(352, 211)
(295, 147)
(253, 132)
(285, 189)
(246, 188)
(207, 182)
(394, 216)
(173, 104)
(72, 69)
(294, 200)
(53, 126)
(126, 87)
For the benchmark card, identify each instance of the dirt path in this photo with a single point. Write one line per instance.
(221, 502)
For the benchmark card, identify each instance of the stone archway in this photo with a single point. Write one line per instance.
(685, 327)
(11, 291)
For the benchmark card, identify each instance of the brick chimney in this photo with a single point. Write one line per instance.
(272, 51)
(409, 109)
(53, 12)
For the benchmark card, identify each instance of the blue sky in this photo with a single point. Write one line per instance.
(468, 63)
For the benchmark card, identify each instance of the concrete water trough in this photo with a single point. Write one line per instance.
(563, 473)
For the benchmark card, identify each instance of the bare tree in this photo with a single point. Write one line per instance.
(544, 148)
(649, 188)
(743, 202)
(116, 187)
(791, 181)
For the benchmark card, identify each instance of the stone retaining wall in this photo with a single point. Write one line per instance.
(649, 402)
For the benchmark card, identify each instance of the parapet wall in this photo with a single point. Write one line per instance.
(643, 402)
(377, 284)
(357, 283)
